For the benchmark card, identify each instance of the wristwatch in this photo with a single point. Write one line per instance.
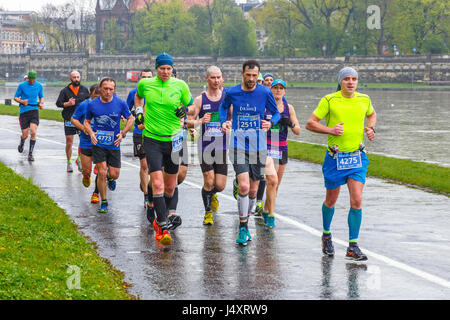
(123, 134)
(373, 128)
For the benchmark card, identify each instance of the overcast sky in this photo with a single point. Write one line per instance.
(33, 5)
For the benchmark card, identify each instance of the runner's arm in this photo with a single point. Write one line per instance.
(314, 125)
(192, 121)
(92, 134)
(41, 103)
(78, 124)
(371, 122)
(294, 120)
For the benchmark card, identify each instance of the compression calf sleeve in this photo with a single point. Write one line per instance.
(243, 205)
(354, 224)
(327, 216)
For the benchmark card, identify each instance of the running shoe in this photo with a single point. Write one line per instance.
(244, 236)
(270, 221)
(327, 245)
(214, 203)
(95, 198)
(86, 181)
(111, 184)
(103, 208)
(20, 148)
(69, 167)
(235, 189)
(174, 221)
(78, 163)
(208, 219)
(354, 253)
(95, 169)
(265, 215)
(150, 214)
(30, 157)
(259, 209)
(162, 236)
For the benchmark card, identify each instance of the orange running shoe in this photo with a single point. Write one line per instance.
(161, 236)
(95, 169)
(95, 198)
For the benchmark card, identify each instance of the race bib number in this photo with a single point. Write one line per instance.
(249, 122)
(213, 129)
(275, 154)
(177, 142)
(105, 137)
(67, 123)
(348, 160)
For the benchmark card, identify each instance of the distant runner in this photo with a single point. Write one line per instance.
(30, 97)
(85, 142)
(345, 160)
(69, 98)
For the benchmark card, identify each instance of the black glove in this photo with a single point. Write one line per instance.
(286, 121)
(181, 111)
(139, 116)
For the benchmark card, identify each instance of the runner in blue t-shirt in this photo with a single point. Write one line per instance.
(248, 145)
(30, 97)
(139, 146)
(85, 141)
(106, 111)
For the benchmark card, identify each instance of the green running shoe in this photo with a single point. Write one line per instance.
(235, 189)
(259, 209)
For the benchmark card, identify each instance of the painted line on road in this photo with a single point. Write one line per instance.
(399, 265)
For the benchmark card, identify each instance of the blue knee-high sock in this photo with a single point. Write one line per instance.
(327, 216)
(354, 223)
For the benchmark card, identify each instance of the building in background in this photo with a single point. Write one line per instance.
(14, 36)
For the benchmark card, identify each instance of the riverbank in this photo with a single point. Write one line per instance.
(42, 253)
(292, 84)
(426, 176)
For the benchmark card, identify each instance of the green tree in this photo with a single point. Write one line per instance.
(113, 37)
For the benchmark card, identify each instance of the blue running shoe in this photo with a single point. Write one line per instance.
(270, 221)
(244, 236)
(354, 253)
(103, 208)
(111, 184)
(327, 245)
(265, 215)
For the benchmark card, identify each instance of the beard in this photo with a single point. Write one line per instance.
(249, 85)
(75, 83)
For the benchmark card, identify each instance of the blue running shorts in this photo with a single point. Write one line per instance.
(335, 178)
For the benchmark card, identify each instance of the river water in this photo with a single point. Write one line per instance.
(410, 124)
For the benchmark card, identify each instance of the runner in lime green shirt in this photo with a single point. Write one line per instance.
(166, 101)
(345, 162)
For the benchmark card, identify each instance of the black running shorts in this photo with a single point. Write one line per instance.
(28, 117)
(159, 154)
(112, 157)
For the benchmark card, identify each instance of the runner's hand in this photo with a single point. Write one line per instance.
(181, 111)
(119, 139)
(25, 102)
(206, 118)
(370, 133)
(265, 125)
(226, 127)
(40, 106)
(338, 129)
(94, 138)
(286, 121)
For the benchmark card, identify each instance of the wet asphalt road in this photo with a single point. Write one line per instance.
(404, 233)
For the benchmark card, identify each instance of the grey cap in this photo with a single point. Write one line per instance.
(345, 72)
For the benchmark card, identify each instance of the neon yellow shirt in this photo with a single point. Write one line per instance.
(161, 100)
(352, 111)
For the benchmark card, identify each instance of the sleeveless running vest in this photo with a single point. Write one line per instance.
(212, 132)
(277, 135)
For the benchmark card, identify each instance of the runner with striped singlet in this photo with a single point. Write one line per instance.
(85, 142)
(167, 99)
(248, 142)
(212, 144)
(277, 149)
(30, 97)
(345, 160)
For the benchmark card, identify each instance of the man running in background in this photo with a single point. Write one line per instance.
(69, 98)
(248, 143)
(166, 101)
(30, 97)
(138, 148)
(85, 141)
(212, 143)
(345, 161)
(106, 111)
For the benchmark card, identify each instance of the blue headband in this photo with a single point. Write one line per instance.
(164, 59)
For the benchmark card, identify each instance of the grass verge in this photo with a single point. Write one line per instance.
(41, 250)
(429, 177)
